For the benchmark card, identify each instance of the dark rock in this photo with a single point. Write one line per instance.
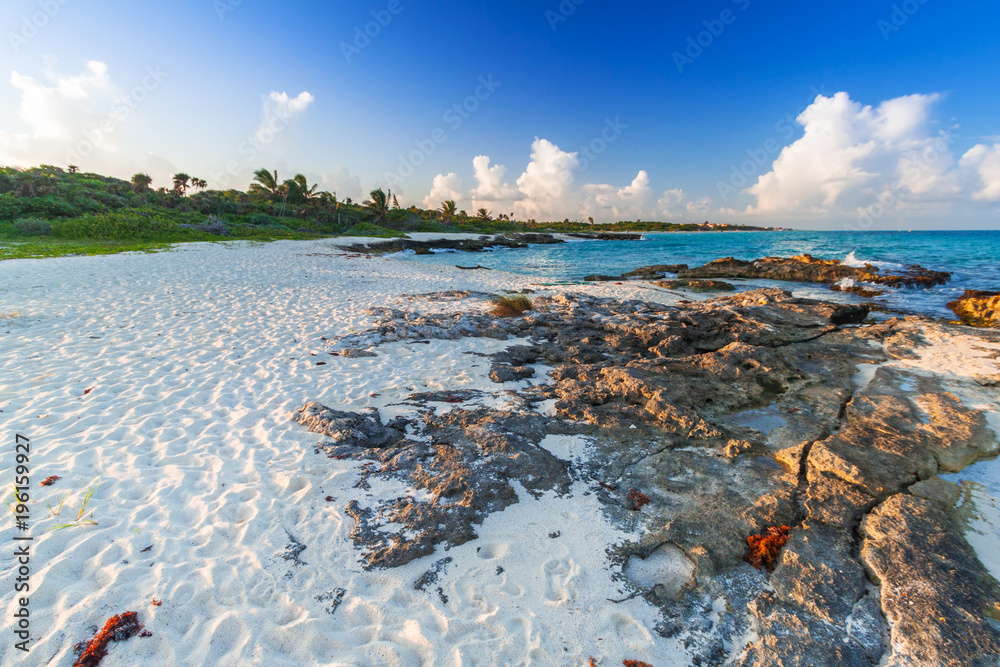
(935, 593)
(501, 373)
(425, 247)
(465, 459)
(860, 290)
(350, 429)
(432, 575)
(696, 285)
(607, 236)
(598, 278)
(808, 269)
(655, 271)
(534, 238)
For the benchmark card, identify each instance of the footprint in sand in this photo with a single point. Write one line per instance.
(559, 575)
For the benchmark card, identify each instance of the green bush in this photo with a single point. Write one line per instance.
(49, 207)
(9, 208)
(32, 227)
(123, 225)
(368, 229)
(261, 219)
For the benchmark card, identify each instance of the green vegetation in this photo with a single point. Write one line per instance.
(47, 211)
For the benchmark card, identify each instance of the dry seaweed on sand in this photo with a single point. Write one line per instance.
(118, 629)
(510, 306)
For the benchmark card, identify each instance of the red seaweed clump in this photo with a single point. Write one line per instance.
(763, 550)
(638, 499)
(49, 481)
(118, 629)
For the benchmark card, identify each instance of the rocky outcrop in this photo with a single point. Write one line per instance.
(607, 236)
(725, 418)
(696, 285)
(977, 308)
(808, 269)
(655, 272)
(464, 459)
(464, 245)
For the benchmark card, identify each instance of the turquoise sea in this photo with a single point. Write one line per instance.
(972, 256)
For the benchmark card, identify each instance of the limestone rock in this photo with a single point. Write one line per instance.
(935, 592)
(789, 637)
(977, 308)
(817, 573)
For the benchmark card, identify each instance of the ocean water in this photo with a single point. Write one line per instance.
(972, 256)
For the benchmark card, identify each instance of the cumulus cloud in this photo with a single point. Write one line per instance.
(491, 189)
(58, 115)
(607, 202)
(445, 187)
(547, 190)
(851, 156)
(982, 165)
(279, 109)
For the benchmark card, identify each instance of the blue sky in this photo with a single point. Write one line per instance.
(905, 135)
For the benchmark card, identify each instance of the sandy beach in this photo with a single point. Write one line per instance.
(169, 379)
(166, 382)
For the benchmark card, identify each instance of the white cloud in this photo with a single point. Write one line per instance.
(491, 188)
(59, 115)
(445, 187)
(546, 185)
(982, 164)
(852, 156)
(279, 109)
(546, 190)
(607, 202)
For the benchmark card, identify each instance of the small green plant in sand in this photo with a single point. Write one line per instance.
(510, 306)
(15, 499)
(81, 520)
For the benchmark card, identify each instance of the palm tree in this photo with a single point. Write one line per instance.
(484, 215)
(73, 169)
(447, 210)
(140, 183)
(265, 183)
(379, 204)
(181, 183)
(199, 184)
(299, 189)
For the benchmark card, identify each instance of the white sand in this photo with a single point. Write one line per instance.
(195, 358)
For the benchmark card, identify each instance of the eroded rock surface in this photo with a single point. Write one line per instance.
(729, 416)
(977, 308)
(935, 592)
